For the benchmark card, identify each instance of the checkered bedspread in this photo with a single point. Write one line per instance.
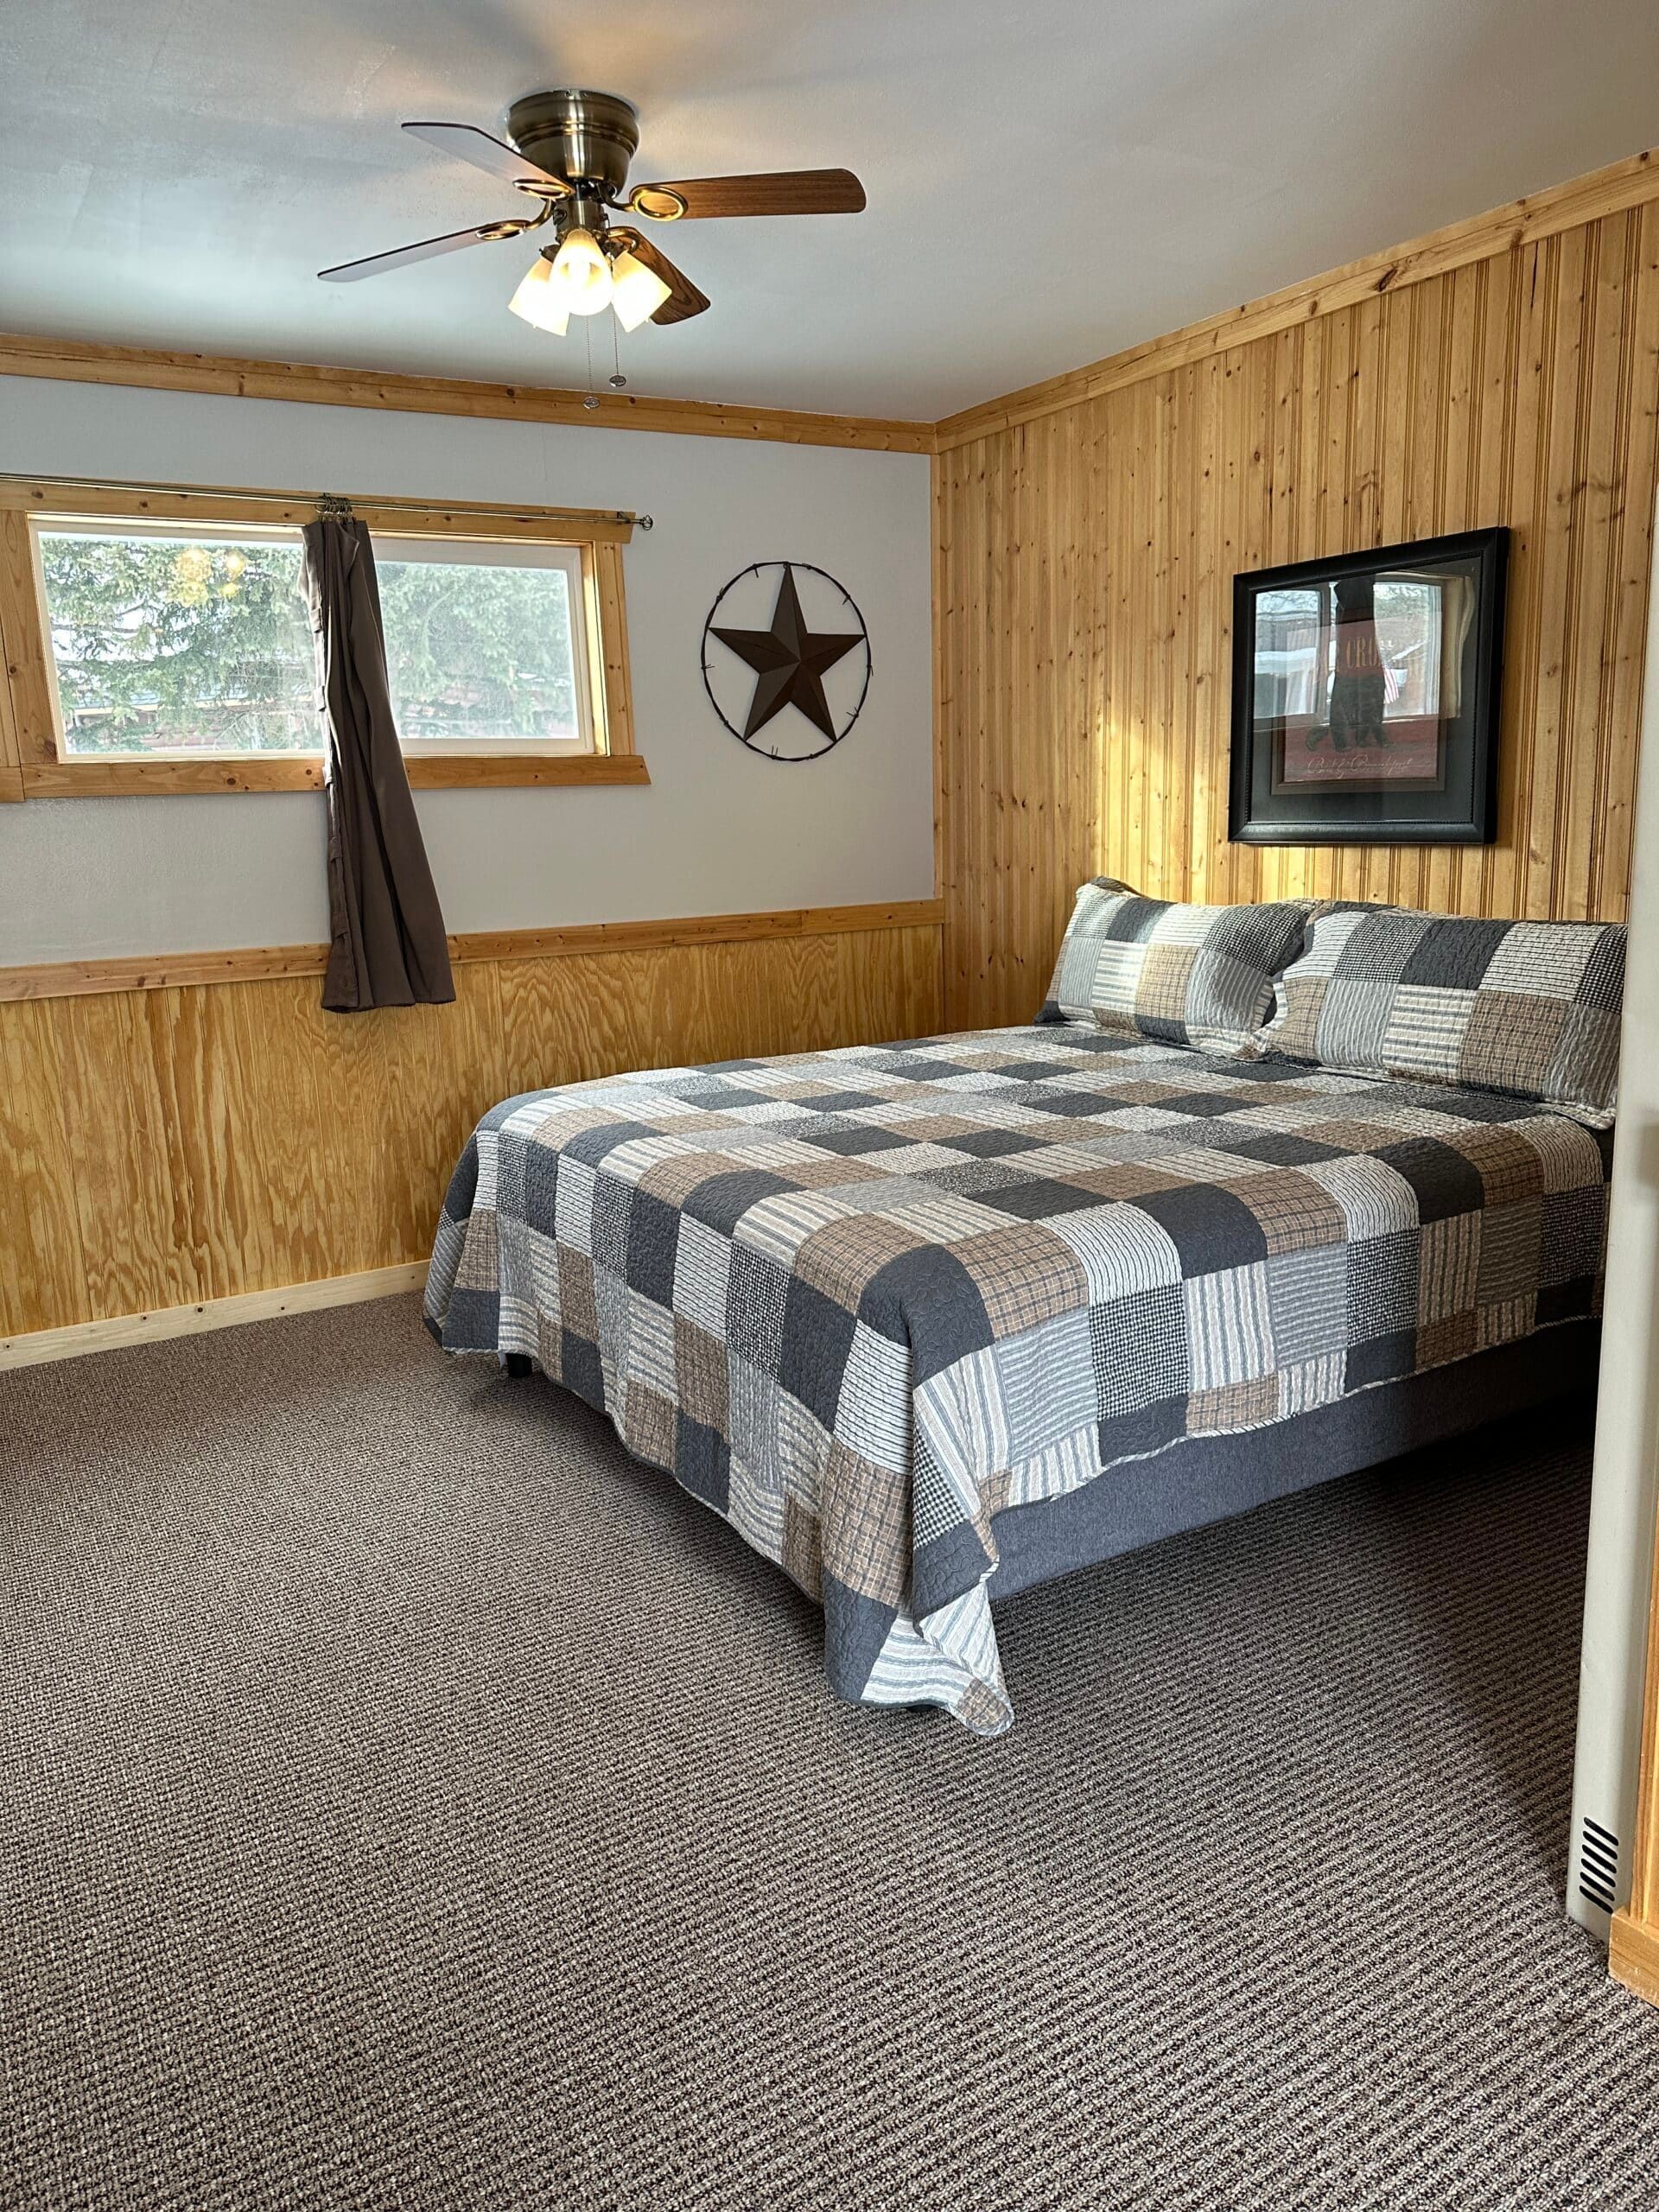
(860, 1302)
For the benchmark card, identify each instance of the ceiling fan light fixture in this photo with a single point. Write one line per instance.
(636, 291)
(580, 276)
(570, 151)
(537, 302)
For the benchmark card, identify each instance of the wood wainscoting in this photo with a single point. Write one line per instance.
(1089, 533)
(173, 1143)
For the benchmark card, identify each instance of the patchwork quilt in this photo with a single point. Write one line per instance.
(861, 1302)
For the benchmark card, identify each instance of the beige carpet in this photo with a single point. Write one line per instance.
(408, 1800)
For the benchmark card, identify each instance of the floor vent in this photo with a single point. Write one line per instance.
(1598, 1864)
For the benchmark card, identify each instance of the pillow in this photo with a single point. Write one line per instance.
(1529, 1009)
(1200, 975)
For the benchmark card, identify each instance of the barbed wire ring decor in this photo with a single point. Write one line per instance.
(812, 656)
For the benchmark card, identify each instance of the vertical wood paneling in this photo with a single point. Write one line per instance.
(168, 1147)
(115, 1120)
(1086, 560)
(42, 1281)
(1630, 614)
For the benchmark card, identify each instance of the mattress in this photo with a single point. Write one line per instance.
(865, 1303)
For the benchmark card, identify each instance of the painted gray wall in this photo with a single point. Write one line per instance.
(719, 830)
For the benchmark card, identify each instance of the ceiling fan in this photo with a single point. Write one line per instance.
(569, 154)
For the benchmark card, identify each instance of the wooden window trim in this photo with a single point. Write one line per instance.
(32, 766)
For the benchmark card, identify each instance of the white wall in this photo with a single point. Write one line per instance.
(719, 829)
(1617, 1581)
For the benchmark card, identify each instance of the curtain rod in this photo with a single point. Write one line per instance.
(326, 500)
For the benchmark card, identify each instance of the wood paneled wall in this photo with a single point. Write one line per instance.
(1085, 561)
(170, 1146)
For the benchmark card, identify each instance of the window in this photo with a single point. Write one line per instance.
(168, 641)
(482, 653)
(173, 652)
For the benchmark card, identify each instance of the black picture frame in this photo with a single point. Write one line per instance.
(1453, 797)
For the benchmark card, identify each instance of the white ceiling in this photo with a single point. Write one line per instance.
(1047, 182)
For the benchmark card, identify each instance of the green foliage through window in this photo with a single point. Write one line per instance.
(166, 644)
(163, 643)
(479, 653)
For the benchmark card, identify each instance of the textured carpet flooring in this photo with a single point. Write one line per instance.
(408, 1800)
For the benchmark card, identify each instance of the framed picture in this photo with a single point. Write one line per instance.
(1365, 696)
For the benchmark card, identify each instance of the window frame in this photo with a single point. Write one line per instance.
(34, 762)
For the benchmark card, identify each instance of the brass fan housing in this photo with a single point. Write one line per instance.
(587, 138)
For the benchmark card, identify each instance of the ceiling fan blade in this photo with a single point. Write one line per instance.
(348, 272)
(777, 192)
(466, 143)
(684, 299)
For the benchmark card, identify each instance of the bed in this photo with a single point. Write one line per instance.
(929, 1322)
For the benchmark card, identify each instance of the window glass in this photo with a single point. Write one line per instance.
(481, 644)
(168, 641)
(173, 639)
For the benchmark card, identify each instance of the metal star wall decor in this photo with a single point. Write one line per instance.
(789, 661)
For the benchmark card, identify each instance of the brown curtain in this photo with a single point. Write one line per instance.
(388, 944)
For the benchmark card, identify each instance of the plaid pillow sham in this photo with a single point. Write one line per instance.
(1198, 975)
(1527, 1008)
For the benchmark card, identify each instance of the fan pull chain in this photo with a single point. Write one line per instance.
(590, 398)
(617, 381)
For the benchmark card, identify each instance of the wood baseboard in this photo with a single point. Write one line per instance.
(120, 1329)
(1633, 1955)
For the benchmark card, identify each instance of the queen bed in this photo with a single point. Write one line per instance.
(929, 1322)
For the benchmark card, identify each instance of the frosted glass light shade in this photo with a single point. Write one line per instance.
(537, 301)
(636, 291)
(580, 276)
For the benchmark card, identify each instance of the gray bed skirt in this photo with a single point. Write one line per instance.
(1206, 1479)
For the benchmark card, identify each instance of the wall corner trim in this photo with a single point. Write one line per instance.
(1501, 229)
